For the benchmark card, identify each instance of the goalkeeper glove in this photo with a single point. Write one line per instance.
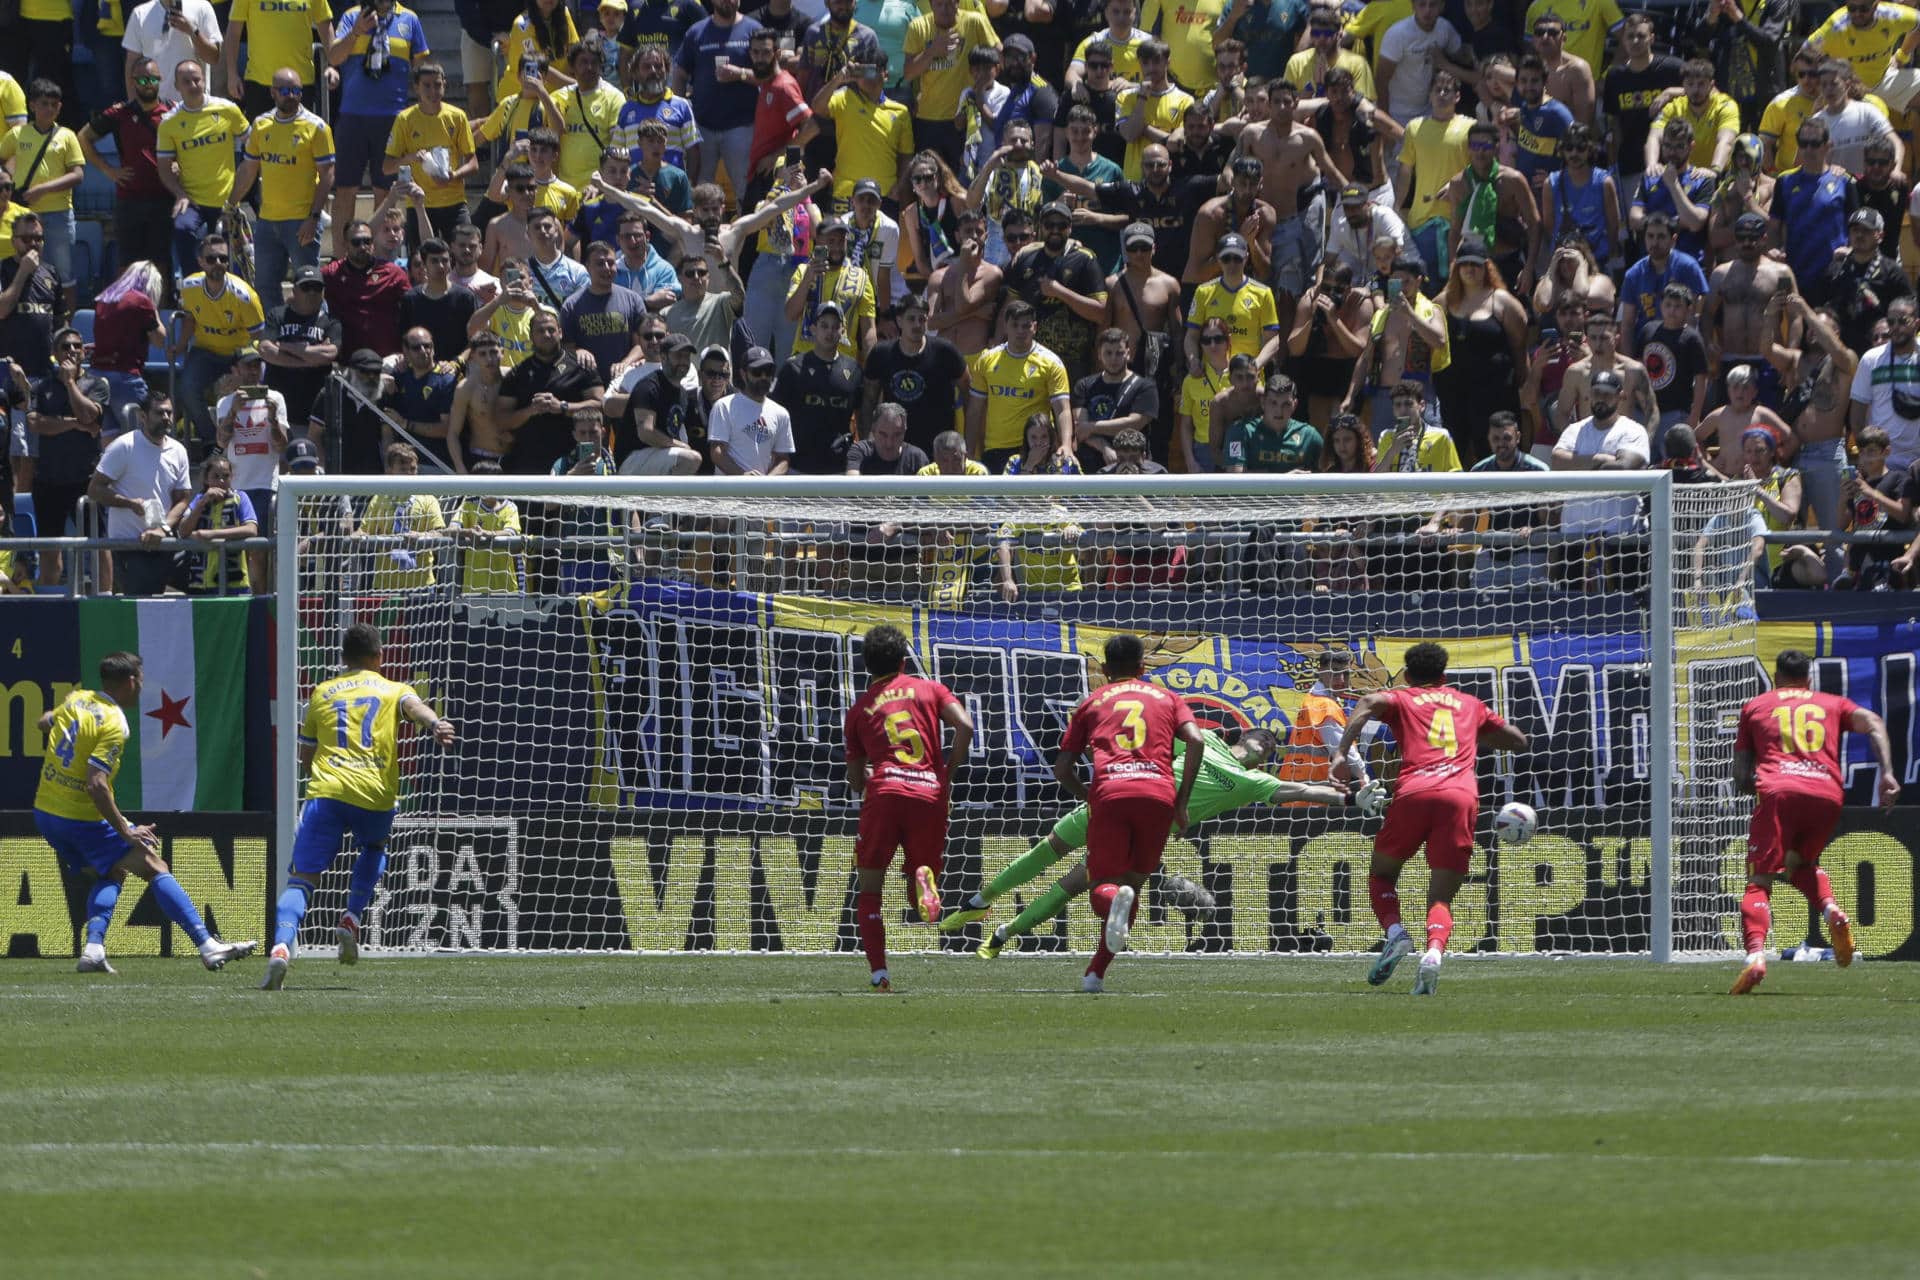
(1371, 799)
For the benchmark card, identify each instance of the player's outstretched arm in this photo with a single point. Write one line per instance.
(425, 716)
(1190, 733)
(954, 716)
(1066, 769)
(1308, 793)
(1865, 721)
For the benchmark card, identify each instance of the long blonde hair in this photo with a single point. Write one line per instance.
(139, 277)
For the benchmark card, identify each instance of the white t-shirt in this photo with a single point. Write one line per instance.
(1355, 246)
(149, 36)
(755, 432)
(478, 283)
(1584, 440)
(255, 460)
(1873, 384)
(1408, 48)
(141, 469)
(1852, 127)
(878, 247)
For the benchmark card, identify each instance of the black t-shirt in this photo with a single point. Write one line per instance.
(1053, 41)
(301, 387)
(1859, 294)
(865, 458)
(27, 334)
(546, 437)
(661, 23)
(1673, 358)
(676, 414)
(1097, 400)
(1106, 134)
(1890, 202)
(1061, 331)
(444, 317)
(1211, 160)
(1171, 214)
(925, 385)
(1868, 514)
(821, 397)
(71, 456)
(1627, 97)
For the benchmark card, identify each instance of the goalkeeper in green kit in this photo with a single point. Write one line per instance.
(1230, 777)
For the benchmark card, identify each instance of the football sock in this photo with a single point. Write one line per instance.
(367, 870)
(100, 904)
(291, 909)
(1439, 927)
(1816, 885)
(1386, 901)
(1022, 870)
(873, 930)
(179, 907)
(1756, 918)
(1041, 909)
(1103, 957)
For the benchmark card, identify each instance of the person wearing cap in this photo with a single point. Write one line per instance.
(1144, 303)
(872, 134)
(1604, 441)
(539, 397)
(1029, 96)
(1066, 287)
(609, 43)
(820, 389)
(1859, 283)
(69, 404)
(141, 471)
(1240, 211)
(748, 432)
(873, 245)
(1739, 321)
(1361, 224)
(829, 277)
(659, 428)
(1010, 179)
(1811, 204)
(1247, 307)
(290, 152)
(937, 46)
(1406, 340)
(252, 428)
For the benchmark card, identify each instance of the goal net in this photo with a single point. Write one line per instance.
(650, 679)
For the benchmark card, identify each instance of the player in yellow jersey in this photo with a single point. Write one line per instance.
(77, 814)
(1246, 306)
(350, 749)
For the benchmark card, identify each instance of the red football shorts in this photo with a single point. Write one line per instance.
(1789, 822)
(891, 821)
(1126, 834)
(1442, 820)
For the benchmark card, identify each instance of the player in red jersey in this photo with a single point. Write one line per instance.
(1436, 800)
(893, 757)
(1788, 752)
(1130, 726)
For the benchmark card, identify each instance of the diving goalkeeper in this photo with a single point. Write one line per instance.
(1230, 777)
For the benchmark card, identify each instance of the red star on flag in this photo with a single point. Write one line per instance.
(171, 713)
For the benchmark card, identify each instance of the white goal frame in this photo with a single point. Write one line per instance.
(1655, 487)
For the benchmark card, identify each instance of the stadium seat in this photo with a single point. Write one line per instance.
(23, 510)
(83, 321)
(89, 255)
(96, 191)
(158, 369)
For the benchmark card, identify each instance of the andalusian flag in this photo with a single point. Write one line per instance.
(188, 743)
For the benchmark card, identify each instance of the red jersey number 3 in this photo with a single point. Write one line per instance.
(1130, 727)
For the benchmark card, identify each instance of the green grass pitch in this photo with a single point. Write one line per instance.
(767, 1117)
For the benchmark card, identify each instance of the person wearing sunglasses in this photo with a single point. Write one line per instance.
(170, 32)
(142, 208)
(222, 315)
(1811, 204)
(374, 47)
(1781, 120)
(290, 153)
(1866, 34)
(366, 294)
(69, 406)
(277, 34)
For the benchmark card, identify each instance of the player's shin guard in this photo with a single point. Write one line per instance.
(1439, 927)
(873, 929)
(179, 908)
(1814, 882)
(1039, 911)
(1385, 896)
(100, 904)
(1756, 917)
(290, 911)
(367, 870)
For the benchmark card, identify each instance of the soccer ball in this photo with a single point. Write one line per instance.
(1515, 823)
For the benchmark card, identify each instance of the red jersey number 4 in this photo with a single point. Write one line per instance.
(1794, 738)
(896, 726)
(1130, 726)
(1438, 730)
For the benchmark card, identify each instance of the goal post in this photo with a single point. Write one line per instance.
(650, 675)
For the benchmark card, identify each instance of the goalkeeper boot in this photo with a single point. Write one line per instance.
(347, 934)
(279, 960)
(990, 946)
(1426, 981)
(926, 894)
(1397, 948)
(214, 953)
(1092, 983)
(954, 921)
(1840, 929)
(1186, 897)
(1750, 977)
(93, 959)
(1120, 918)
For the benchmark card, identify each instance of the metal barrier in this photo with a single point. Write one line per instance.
(79, 553)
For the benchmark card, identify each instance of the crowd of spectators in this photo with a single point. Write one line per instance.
(870, 237)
